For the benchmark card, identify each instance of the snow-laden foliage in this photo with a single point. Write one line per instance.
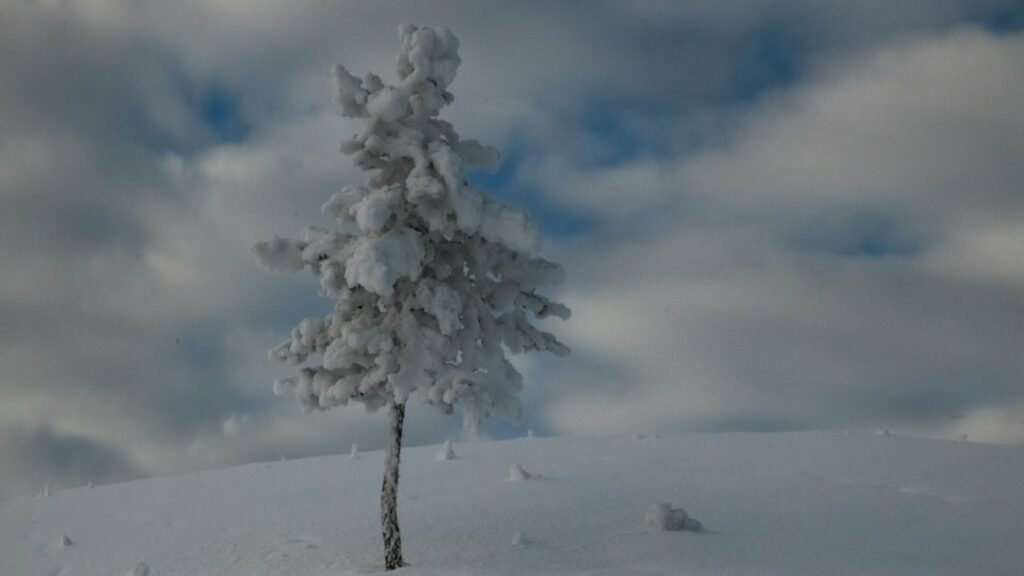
(432, 279)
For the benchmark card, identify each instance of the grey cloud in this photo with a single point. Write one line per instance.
(41, 458)
(91, 327)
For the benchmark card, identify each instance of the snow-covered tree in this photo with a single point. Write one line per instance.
(432, 280)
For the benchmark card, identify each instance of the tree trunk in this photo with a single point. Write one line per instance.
(389, 492)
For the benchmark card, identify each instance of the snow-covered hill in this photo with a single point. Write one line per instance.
(787, 504)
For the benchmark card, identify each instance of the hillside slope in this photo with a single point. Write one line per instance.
(788, 504)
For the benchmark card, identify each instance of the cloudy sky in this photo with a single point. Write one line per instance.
(773, 216)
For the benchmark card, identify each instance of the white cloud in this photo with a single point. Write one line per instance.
(929, 120)
(752, 299)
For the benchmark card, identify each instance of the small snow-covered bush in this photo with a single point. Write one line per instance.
(663, 517)
(516, 473)
(446, 452)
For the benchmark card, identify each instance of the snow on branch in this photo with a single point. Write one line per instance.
(432, 279)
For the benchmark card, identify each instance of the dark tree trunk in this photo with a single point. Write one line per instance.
(389, 491)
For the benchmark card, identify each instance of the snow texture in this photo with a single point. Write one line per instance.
(432, 280)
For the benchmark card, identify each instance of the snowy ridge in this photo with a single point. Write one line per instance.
(788, 504)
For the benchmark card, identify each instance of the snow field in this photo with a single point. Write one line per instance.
(794, 504)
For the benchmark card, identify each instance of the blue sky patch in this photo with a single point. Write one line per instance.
(221, 113)
(554, 220)
(619, 130)
(1007, 20)
(771, 57)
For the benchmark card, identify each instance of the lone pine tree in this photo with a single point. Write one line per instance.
(432, 280)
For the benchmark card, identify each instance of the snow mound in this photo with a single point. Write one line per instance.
(446, 452)
(663, 517)
(517, 474)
